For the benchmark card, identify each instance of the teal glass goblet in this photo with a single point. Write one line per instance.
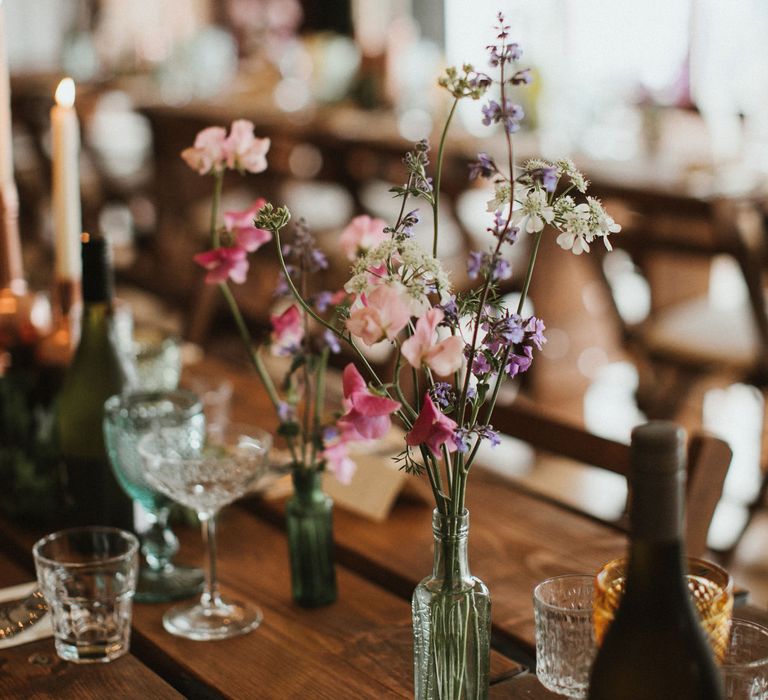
(127, 418)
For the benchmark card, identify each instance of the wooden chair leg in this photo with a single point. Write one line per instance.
(202, 312)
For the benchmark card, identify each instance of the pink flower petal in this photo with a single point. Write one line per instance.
(287, 331)
(447, 356)
(367, 415)
(338, 461)
(416, 348)
(352, 380)
(223, 263)
(369, 404)
(433, 428)
(243, 151)
(362, 234)
(252, 238)
(208, 153)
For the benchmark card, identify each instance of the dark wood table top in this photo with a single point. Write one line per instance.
(516, 538)
(34, 671)
(359, 647)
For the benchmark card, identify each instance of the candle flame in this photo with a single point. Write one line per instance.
(65, 93)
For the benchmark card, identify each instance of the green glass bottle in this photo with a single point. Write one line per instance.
(309, 520)
(96, 373)
(655, 648)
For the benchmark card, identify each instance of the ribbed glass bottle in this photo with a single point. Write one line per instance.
(451, 620)
(309, 518)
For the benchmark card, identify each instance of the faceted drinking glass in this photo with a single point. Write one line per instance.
(128, 417)
(711, 589)
(158, 360)
(206, 476)
(565, 642)
(745, 666)
(88, 578)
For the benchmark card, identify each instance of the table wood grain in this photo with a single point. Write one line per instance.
(35, 671)
(515, 541)
(524, 686)
(358, 647)
(516, 538)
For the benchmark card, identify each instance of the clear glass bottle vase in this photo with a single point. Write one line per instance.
(451, 620)
(309, 517)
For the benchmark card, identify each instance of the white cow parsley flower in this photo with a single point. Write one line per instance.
(576, 233)
(500, 198)
(565, 166)
(534, 212)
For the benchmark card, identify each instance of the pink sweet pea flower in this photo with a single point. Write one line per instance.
(243, 150)
(337, 459)
(208, 154)
(432, 427)
(362, 234)
(223, 263)
(287, 331)
(383, 314)
(422, 347)
(241, 224)
(367, 415)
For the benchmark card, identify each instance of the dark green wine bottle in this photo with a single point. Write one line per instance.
(96, 373)
(655, 649)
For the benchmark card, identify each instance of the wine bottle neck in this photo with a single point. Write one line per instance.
(656, 506)
(653, 562)
(97, 281)
(97, 319)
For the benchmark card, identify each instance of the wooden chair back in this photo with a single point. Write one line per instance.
(672, 236)
(708, 459)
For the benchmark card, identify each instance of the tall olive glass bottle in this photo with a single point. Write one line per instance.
(96, 373)
(655, 648)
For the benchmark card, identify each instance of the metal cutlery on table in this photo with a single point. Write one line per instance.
(19, 615)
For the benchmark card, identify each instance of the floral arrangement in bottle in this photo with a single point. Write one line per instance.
(453, 349)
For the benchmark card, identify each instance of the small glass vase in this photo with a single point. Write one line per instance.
(309, 517)
(451, 620)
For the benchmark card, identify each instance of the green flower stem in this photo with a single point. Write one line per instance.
(396, 385)
(491, 404)
(529, 272)
(218, 182)
(449, 476)
(461, 477)
(307, 430)
(475, 333)
(438, 177)
(435, 480)
(255, 358)
(256, 361)
(322, 364)
(330, 327)
(497, 386)
(405, 199)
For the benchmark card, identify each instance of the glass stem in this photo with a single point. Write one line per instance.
(159, 544)
(210, 597)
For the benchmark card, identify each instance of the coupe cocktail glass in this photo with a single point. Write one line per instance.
(206, 476)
